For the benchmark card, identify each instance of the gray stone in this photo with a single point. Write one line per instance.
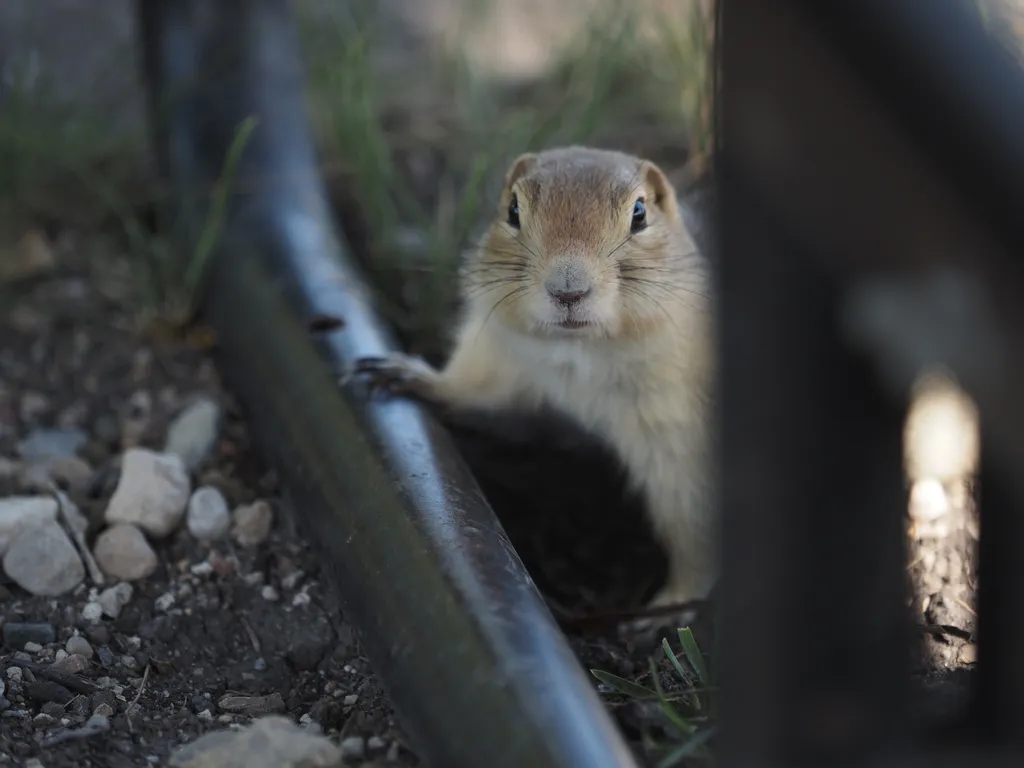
(151, 493)
(208, 517)
(114, 598)
(79, 646)
(16, 511)
(252, 523)
(44, 443)
(270, 742)
(17, 634)
(42, 560)
(123, 553)
(353, 748)
(193, 433)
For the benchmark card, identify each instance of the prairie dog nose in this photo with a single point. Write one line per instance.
(568, 298)
(568, 285)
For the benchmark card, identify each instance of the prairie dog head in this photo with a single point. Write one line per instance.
(586, 243)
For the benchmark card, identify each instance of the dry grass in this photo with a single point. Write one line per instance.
(422, 160)
(418, 156)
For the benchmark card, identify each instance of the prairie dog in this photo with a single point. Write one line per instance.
(588, 294)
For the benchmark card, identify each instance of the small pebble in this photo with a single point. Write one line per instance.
(31, 647)
(193, 433)
(269, 594)
(92, 611)
(79, 646)
(253, 706)
(105, 656)
(43, 720)
(70, 472)
(353, 747)
(208, 517)
(53, 709)
(164, 602)
(16, 511)
(103, 710)
(44, 443)
(252, 523)
(152, 492)
(114, 598)
(14, 674)
(269, 742)
(72, 664)
(122, 552)
(16, 634)
(351, 699)
(42, 560)
(376, 743)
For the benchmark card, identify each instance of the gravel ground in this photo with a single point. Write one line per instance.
(212, 611)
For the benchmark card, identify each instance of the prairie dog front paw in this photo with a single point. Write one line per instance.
(397, 374)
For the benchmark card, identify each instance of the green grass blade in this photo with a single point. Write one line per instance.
(196, 269)
(683, 674)
(693, 655)
(624, 686)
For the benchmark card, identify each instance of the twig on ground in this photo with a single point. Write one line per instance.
(132, 704)
(78, 536)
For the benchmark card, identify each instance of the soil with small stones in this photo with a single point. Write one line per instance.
(71, 356)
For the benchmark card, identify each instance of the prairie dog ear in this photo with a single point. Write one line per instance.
(658, 185)
(520, 166)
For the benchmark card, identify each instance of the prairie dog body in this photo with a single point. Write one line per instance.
(587, 293)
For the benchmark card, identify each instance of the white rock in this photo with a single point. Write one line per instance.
(208, 517)
(114, 598)
(151, 493)
(193, 433)
(16, 511)
(122, 552)
(270, 742)
(92, 611)
(354, 747)
(79, 646)
(252, 523)
(42, 560)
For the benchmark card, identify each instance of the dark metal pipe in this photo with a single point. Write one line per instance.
(475, 665)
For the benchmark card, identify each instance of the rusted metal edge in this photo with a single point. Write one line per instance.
(476, 667)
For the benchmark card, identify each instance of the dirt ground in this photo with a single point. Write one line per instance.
(212, 619)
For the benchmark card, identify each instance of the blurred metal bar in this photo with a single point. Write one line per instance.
(475, 665)
(872, 166)
(814, 636)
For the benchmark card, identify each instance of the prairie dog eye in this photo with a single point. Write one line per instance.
(639, 216)
(513, 212)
